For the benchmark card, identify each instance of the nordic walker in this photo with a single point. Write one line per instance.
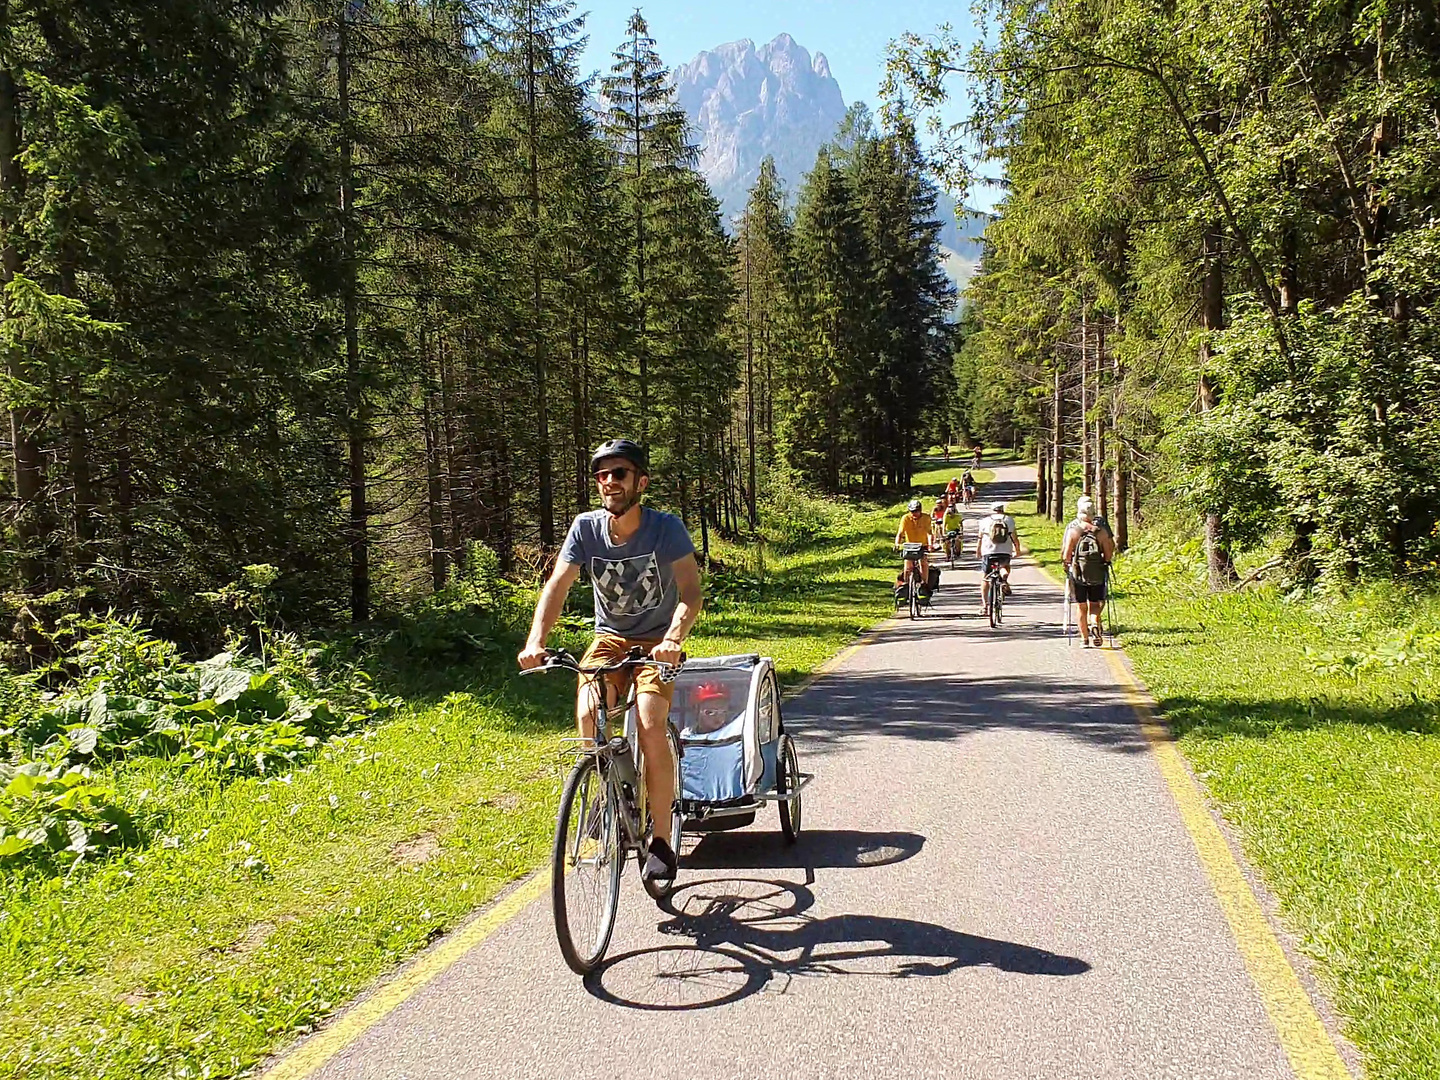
(647, 592)
(995, 546)
(1086, 554)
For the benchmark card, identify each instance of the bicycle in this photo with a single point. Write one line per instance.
(952, 546)
(911, 553)
(604, 815)
(969, 497)
(994, 594)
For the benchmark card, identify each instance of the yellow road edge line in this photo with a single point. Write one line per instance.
(1302, 1034)
(319, 1048)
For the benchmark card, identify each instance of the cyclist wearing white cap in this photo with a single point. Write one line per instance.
(995, 547)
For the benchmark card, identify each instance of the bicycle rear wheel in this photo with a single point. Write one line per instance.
(997, 602)
(914, 596)
(585, 866)
(992, 601)
(660, 888)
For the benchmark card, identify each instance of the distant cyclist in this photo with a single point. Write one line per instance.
(915, 529)
(1087, 552)
(967, 487)
(647, 593)
(937, 516)
(953, 525)
(995, 547)
(975, 461)
(952, 489)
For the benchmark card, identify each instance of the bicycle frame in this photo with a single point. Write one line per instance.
(607, 717)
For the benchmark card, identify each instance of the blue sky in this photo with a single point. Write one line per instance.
(852, 34)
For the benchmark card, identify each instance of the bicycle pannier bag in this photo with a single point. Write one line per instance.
(934, 582)
(1089, 560)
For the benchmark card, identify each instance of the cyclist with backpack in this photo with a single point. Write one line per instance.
(1086, 554)
(995, 547)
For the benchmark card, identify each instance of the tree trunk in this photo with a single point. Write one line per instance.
(1102, 487)
(1057, 446)
(1220, 566)
(1122, 493)
(1042, 478)
(434, 491)
(1084, 417)
(25, 422)
(546, 508)
(357, 414)
(750, 395)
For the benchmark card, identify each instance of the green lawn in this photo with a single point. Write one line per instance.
(258, 907)
(1313, 724)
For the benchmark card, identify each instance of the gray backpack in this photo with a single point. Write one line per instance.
(1087, 565)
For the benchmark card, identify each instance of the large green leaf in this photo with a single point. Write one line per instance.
(13, 845)
(222, 684)
(83, 740)
(22, 785)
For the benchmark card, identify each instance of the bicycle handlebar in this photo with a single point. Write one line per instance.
(562, 660)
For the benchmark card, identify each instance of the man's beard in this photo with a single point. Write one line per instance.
(626, 500)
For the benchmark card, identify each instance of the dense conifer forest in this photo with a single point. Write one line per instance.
(348, 288)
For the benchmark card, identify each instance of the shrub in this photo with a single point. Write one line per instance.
(791, 517)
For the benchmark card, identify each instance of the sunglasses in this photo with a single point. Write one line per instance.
(603, 476)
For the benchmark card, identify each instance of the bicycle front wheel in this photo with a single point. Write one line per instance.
(585, 866)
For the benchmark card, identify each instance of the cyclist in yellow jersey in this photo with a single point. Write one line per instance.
(915, 529)
(954, 522)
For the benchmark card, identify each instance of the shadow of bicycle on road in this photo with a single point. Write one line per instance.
(736, 937)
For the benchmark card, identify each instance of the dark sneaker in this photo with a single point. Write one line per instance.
(661, 864)
(1099, 638)
(1008, 590)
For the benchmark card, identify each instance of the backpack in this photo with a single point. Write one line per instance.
(999, 530)
(1088, 562)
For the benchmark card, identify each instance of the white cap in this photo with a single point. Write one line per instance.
(1084, 506)
(999, 508)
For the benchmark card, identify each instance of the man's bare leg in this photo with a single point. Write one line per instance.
(659, 767)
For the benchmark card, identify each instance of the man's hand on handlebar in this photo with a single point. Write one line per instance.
(669, 652)
(532, 656)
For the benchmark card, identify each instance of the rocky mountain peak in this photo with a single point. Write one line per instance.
(746, 102)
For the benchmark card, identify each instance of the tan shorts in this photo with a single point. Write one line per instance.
(607, 648)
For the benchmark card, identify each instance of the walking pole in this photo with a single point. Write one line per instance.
(1067, 609)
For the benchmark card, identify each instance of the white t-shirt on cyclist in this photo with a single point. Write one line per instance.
(989, 546)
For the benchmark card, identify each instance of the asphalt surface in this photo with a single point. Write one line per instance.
(993, 881)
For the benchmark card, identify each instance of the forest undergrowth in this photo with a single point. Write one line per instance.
(206, 858)
(1312, 720)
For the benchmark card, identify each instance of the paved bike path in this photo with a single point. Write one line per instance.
(993, 882)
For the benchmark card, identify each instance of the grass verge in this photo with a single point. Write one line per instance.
(259, 906)
(1313, 723)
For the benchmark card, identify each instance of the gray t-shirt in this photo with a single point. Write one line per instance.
(635, 590)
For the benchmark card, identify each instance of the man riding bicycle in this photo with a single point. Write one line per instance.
(967, 487)
(915, 529)
(646, 584)
(995, 547)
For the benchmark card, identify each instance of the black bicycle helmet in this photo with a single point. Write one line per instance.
(632, 452)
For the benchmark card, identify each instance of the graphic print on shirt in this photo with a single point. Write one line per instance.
(628, 586)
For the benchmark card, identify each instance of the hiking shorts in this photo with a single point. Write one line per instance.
(1087, 594)
(996, 558)
(607, 648)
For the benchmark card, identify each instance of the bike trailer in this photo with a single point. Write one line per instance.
(727, 712)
